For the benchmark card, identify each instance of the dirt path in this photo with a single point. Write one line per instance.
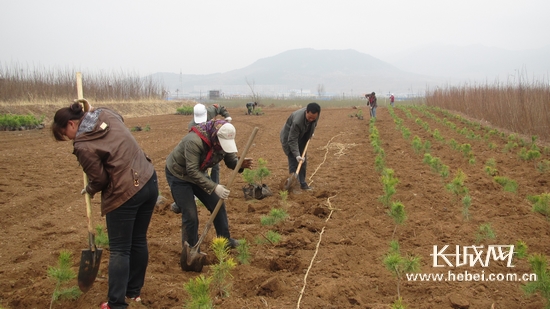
(334, 241)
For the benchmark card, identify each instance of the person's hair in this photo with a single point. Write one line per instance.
(313, 108)
(62, 117)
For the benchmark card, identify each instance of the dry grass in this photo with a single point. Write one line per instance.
(21, 84)
(521, 108)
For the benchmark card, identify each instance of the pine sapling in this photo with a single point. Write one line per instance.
(62, 274)
(101, 238)
(398, 265)
(221, 271)
(397, 212)
(275, 216)
(388, 182)
(541, 203)
(466, 203)
(271, 237)
(508, 185)
(256, 176)
(490, 167)
(521, 249)
(398, 304)
(243, 252)
(284, 197)
(541, 284)
(543, 166)
(417, 144)
(457, 186)
(484, 232)
(198, 289)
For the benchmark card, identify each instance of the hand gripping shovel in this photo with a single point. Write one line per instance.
(292, 181)
(191, 259)
(91, 257)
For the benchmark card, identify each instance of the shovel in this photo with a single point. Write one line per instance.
(292, 181)
(91, 257)
(191, 259)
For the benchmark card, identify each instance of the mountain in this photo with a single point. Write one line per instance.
(340, 72)
(351, 73)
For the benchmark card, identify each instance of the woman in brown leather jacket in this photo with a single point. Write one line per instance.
(118, 168)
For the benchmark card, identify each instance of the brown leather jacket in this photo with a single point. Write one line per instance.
(111, 157)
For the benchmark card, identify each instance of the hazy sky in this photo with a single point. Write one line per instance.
(211, 36)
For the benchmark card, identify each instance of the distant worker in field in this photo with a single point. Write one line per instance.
(297, 131)
(203, 113)
(371, 97)
(392, 100)
(250, 106)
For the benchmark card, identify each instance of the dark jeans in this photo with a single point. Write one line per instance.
(127, 229)
(215, 173)
(293, 164)
(184, 193)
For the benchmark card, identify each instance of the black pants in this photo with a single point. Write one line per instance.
(127, 228)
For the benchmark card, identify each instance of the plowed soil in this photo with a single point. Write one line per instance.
(334, 240)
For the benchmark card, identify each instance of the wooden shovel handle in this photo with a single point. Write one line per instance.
(86, 195)
(229, 183)
(303, 156)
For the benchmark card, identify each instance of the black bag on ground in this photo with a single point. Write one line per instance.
(256, 192)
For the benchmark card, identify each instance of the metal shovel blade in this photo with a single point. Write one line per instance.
(191, 259)
(291, 182)
(89, 266)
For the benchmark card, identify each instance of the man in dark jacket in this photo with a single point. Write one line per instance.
(250, 106)
(296, 132)
(205, 145)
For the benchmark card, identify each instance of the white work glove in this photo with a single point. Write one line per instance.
(298, 158)
(222, 192)
(228, 119)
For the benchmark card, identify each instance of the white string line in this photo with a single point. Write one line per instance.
(339, 146)
(316, 251)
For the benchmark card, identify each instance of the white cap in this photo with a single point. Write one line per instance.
(199, 113)
(226, 136)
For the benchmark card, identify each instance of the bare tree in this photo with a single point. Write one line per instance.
(255, 96)
(321, 90)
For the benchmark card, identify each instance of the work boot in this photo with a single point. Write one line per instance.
(175, 208)
(233, 243)
(305, 187)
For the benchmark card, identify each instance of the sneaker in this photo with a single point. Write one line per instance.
(175, 208)
(305, 187)
(105, 305)
(136, 299)
(233, 243)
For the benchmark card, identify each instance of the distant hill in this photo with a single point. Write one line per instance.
(351, 73)
(340, 72)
